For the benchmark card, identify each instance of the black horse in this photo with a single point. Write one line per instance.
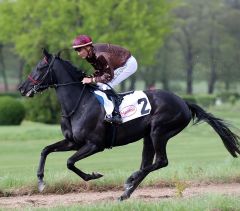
(85, 131)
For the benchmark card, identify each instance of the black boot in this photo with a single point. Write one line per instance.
(116, 116)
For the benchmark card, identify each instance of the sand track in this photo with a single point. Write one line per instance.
(144, 194)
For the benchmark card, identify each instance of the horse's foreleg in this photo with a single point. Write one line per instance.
(87, 150)
(63, 145)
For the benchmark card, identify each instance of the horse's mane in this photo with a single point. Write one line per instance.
(76, 73)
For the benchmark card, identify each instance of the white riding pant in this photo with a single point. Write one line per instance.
(121, 73)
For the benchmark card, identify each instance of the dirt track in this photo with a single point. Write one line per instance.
(145, 194)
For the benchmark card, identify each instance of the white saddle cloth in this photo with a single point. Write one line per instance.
(133, 106)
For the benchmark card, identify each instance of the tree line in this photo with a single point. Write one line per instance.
(204, 44)
(173, 40)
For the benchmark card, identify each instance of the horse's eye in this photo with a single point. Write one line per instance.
(42, 67)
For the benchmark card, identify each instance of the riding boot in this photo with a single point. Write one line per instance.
(116, 116)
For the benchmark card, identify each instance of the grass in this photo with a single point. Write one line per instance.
(196, 154)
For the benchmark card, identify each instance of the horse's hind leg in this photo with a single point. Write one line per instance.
(147, 160)
(147, 153)
(64, 145)
(161, 161)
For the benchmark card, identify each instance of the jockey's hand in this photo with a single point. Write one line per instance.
(87, 80)
(105, 77)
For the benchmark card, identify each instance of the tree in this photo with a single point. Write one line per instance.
(211, 38)
(200, 33)
(188, 16)
(166, 66)
(233, 3)
(3, 72)
(230, 55)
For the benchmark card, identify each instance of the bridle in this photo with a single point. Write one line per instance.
(38, 84)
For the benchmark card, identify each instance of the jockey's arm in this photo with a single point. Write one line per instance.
(102, 76)
(107, 72)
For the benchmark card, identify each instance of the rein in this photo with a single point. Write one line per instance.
(76, 105)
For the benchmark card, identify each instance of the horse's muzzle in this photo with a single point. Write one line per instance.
(24, 92)
(21, 89)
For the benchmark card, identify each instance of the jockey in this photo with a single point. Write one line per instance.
(112, 65)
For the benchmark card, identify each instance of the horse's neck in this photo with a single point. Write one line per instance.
(69, 95)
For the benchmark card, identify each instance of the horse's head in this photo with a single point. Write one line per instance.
(39, 79)
(43, 75)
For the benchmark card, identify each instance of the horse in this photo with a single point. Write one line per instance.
(85, 131)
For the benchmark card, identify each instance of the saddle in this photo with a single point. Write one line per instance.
(131, 105)
(116, 99)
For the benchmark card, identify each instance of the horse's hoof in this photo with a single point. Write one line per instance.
(123, 197)
(120, 198)
(96, 175)
(41, 186)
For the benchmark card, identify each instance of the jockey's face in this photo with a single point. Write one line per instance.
(83, 52)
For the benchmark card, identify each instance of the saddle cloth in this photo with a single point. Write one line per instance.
(134, 105)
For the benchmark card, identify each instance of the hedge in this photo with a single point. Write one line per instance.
(231, 97)
(12, 111)
(43, 108)
(10, 94)
(202, 100)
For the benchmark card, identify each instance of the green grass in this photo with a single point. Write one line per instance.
(200, 203)
(197, 153)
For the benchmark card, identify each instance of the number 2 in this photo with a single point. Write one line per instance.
(144, 100)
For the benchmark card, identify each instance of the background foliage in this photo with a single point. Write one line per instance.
(12, 112)
(186, 40)
(178, 43)
(127, 23)
(27, 26)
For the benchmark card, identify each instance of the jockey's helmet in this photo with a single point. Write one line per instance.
(81, 41)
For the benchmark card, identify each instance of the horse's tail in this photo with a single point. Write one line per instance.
(230, 140)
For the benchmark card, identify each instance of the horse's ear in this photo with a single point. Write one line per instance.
(45, 53)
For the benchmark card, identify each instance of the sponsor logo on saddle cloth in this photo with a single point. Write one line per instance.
(133, 106)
